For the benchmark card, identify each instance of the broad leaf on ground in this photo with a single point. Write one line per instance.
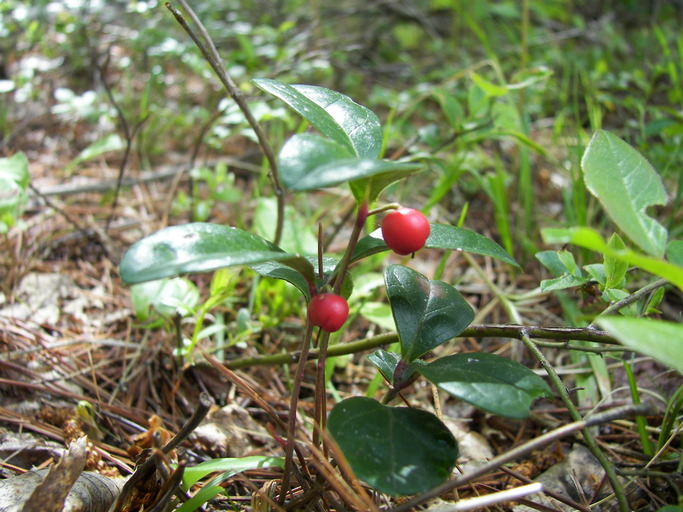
(626, 185)
(490, 382)
(396, 450)
(427, 312)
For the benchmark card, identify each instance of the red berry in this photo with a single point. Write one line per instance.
(328, 311)
(405, 230)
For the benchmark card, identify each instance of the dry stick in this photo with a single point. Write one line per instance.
(212, 56)
(473, 331)
(592, 445)
(523, 449)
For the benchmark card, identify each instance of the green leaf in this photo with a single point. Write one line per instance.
(386, 363)
(591, 239)
(298, 275)
(14, 180)
(626, 185)
(309, 162)
(490, 89)
(396, 450)
(441, 236)
(490, 382)
(228, 466)
(655, 338)
(335, 115)
(373, 186)
(426, 312)
(197, 247)
(562, 265)
(615, 270)
(111, 142)
(674, 252)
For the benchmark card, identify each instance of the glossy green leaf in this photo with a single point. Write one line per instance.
(442, 236)
(655, 338)
(335, 115)
(427, 312)
(396, 450)
(370, 188)
(386, 363)
(229, 467)
(298, 275)
(626, 185)
(197, 247)
(490, 382)
(14, 180)
(591, 239)
(309, 162)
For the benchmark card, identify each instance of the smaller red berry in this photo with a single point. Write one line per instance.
(405, 231)
(328, 311)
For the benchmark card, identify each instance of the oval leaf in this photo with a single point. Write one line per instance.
(626, 185)
(396, 450)
(309, 162)
(427, 313)
(335, 115)
(442, 236)
(196, 247)
(299, 275)
(490, 382)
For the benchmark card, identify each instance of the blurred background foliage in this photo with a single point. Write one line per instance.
(499, 97)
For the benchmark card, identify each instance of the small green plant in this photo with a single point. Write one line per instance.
(427, 313)
(14, 181)
(399, 450)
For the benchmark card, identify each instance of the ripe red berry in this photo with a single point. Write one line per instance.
(405, 230)
(328, 311)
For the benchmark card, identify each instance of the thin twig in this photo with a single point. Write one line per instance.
(212, 56)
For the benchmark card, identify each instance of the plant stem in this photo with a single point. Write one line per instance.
(208, 49)
(320, 410)
(473, 331)
(293, 404)
(592, 445)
